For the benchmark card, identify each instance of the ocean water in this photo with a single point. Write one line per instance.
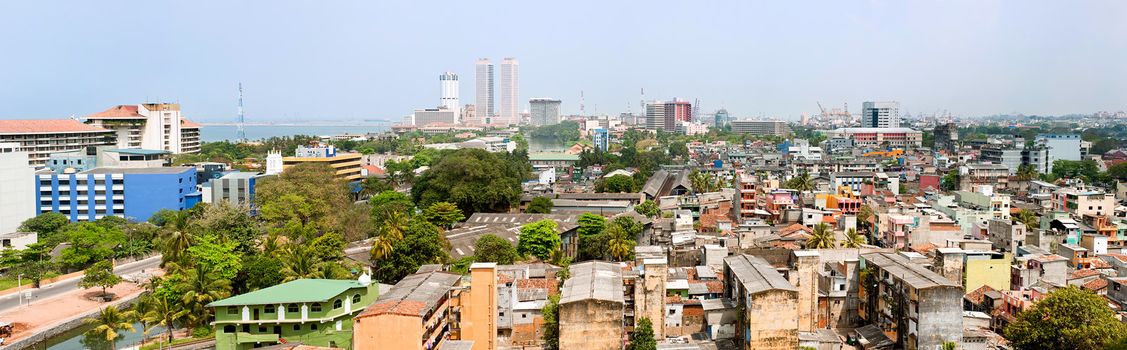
(213, 133)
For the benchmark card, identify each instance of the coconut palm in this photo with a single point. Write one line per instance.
(165, 312)
(1028, 218)
(201, 287)
(1027, 172)
(109, 322)
(299, 264)
(853, 239)
(176, 236)
(801, 183)
(620, 245)
(864, 216)
(821, 238)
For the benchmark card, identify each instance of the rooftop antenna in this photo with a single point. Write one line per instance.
(240, 133)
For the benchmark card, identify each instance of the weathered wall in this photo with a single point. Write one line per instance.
(940, 317)
(591, 325)
(387, 331)
(772, 321)
(649, 297)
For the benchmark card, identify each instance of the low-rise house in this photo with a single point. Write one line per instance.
(768, 301)
(591, 307)
(921, 308)
(311, 311)
(414, 314)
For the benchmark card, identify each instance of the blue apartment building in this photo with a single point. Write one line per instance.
(133, 193)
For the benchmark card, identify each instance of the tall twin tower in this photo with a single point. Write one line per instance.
(485, 109)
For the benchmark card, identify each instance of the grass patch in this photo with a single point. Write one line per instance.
(157, 344)
(9, 282)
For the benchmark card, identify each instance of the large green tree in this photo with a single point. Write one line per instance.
(100, 274)
(1068, 319)
(648, 208)
(539, 239)
(443, 214)
(551, 314)
(491, 248)
(90, 243)
(643, 336)
(109, 322)
(822, 237)
(46, 225)
(422, 244)
(474, 179)
(619, 184)
(539, 205)
(311, 194)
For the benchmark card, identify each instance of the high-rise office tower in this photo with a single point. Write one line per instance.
(677, 111)
(449, 91)
(509, 111)
(544, 111)
(655, 115)
(880, 114)
(484, 87)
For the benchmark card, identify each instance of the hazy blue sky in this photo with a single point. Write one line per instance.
(381, 59)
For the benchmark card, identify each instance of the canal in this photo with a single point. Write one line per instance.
(76, 339)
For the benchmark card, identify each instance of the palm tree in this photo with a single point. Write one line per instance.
(164, 312)
(853, 239)
(109, 321)
(299, 264)
(1027, 172)
(1028, 218)
(176, 237)
(620, 244)
(141, 308)
(821, 238)
(201, 288)
(801, 183)
(864, 216)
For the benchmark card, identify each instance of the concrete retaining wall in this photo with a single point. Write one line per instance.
(66, 325)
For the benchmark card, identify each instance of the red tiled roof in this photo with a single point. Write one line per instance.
(1083, 273)
(41, 126)
(118, 112)
(924, 248)
(976, 295)
(1100, 264)
(1095, 285)
(396, 307)
(185, 123)
(537, 283)
(374, 170)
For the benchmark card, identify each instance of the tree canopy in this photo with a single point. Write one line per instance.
(540, 205)
(473, 179)
(1069, 318)
(490, 248)
(539, 239)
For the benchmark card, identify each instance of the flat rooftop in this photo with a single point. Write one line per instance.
(756, 274)
(414, 295)
(911, 273)
(160, 170)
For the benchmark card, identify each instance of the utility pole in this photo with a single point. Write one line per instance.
(19, 288)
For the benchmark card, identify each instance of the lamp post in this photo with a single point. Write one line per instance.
(19, 288)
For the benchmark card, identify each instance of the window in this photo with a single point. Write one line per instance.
(312, 326)
(336, 304)
(246, 328)
(316, 307)
(292, 308)
(269, 309)
(356, 299)
(261, 329)
(229, 328)
(232, 310)
(297, 327)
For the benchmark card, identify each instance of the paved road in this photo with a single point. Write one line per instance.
(58, 288)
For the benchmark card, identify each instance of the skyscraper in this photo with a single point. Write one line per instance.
(677, 111)
(544, 111)
(449, 83)
(880, 114)
(484, 104)
(655, 115)
(509, 111)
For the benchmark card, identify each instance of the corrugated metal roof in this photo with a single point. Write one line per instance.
(911, 273)
(593, 280)
(756, 274)
(298, 291)
(414, 295)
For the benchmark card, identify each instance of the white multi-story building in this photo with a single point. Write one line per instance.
(1061, 147)
(484, 88)
(449, 91)
(880, 114)
(17, 196)
(544, 111)
(40, 138)
(158, 126)
(655, 115)
(442, 115)
(510, 92)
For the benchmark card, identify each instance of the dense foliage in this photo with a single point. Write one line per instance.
(1069, 318)
(473, 179)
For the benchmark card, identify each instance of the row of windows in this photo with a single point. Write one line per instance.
(262, 329)
(295, 308)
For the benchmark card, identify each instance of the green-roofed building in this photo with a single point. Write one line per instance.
(315, 312)
(552, 160)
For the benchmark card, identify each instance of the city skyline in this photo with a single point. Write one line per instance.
(775, 60)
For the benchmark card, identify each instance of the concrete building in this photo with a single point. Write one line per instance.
(994, 175)
(414, 315)
(235, 187)
(760, 127)
(769, 303)
(440, 115)
(946, 138)
(449, 97)
(1080, 201)
(544, 111)
(880, 114)
(509, 113)
(919, 308)
(17, 199)
(676, 111)
(592, 306)
(313, 312)
(1010, 157)
(478, 314)
(149, 126)
(650, 293)
(880, 137)
(345, 165)
(106, 156)
(1006, 235)
(655, 115)
(600, 138)
(1061, 147)
(132, 193)
(483, 106)
(41, 138)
